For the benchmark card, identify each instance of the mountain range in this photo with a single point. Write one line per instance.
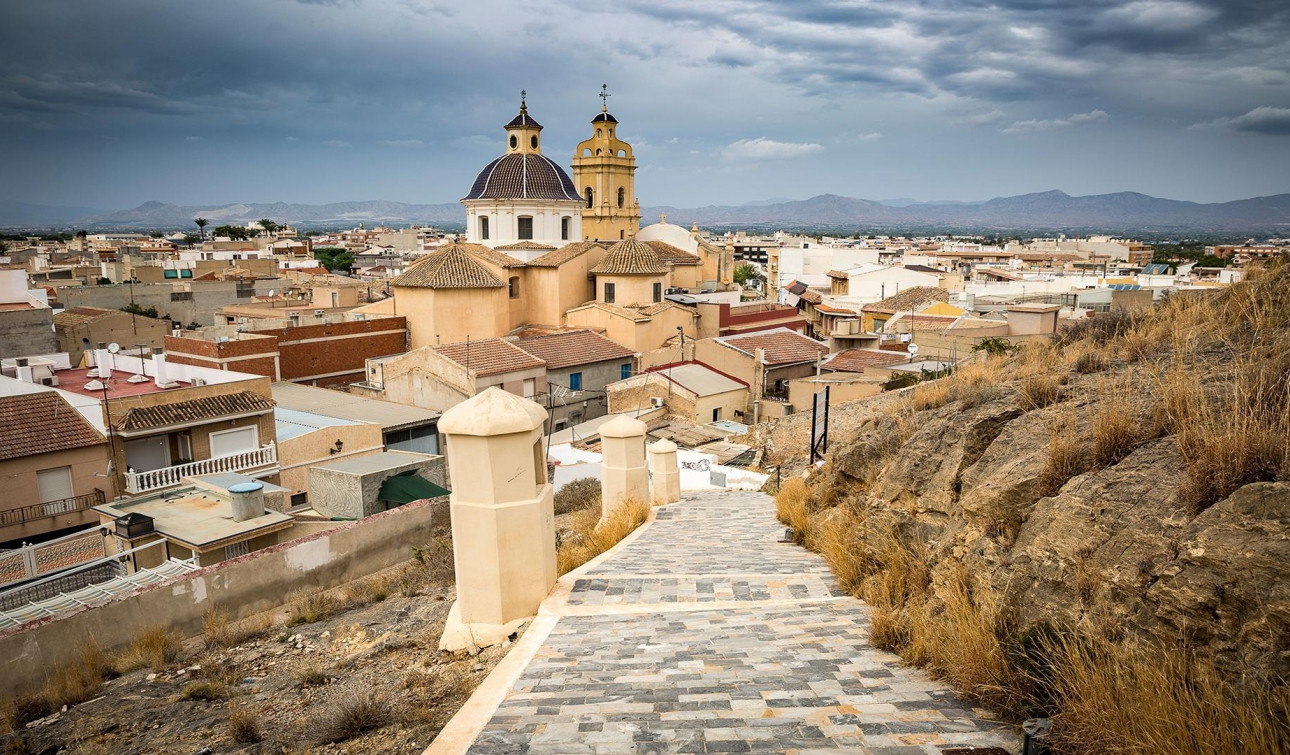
(1044, 211)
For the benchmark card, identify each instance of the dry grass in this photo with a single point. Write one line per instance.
(592, 535)
(577, 495)
(932, 395)
(1136, 699)
(154, 648)
(1038, 390)
(836, 537)
(791, 506)
(352, 716)
(436, 561)
(1065, 458)
(220, 631)
(311, 676)
(244, 725)
(204, 691)
(310, 606)
(1116, 430)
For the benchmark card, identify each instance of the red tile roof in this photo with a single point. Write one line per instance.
(193, 410)
(491, 356)
(855, 360)
(573, 347)
(41, 423)
(782, 346)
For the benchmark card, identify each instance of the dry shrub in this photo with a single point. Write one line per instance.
(1089, 362)
(154, 648)
(352, 716)
(576, 495)
(791, 507)
(932, 395)
(1065, 458)
(1116, 430)
(311, 676)
(836, 537)
(1133, 698)
(204, 691)
(244, 725)
(592, 535)
(310, 606)
(1038, 390)
(436, 560)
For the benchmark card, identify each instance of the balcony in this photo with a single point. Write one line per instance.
(51, 508)
(156, 479)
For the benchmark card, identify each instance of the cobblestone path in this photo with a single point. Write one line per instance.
(705, 634)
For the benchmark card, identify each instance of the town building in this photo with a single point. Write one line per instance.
(26, 322)
(80, 329)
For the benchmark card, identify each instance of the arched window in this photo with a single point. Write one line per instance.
(483, 228)
(598, 132)
(524, 227)
(597, 152)
(515, 142)
(622, 196)
(590, 203)
(533, 142)
(513, 287)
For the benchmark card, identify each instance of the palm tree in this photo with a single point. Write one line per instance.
(268, 225)
(201, 226)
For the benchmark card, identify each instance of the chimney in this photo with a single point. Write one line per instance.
(103, 358)
(24, 372)
(247, 499)
(159, 370)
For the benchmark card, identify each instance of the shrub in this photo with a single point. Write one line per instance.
(995, 346)
(791, 507)
(583, 493)
(1039, 390)
(311, 676)
(1065, 459)
(204, 691)
(244, 726)
(154, 648)
(436, 559)
(593, 534)
(310, 606)
(352, 716)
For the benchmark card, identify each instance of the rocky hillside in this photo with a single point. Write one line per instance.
(1129, 483)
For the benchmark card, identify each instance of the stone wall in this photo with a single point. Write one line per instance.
(241, 587)
(27, 332)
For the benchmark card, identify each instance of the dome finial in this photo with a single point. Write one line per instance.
(604, 98)
(524, 108)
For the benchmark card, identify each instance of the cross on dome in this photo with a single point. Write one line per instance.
(604, 98)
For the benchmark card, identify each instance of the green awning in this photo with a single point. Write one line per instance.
(407, 487)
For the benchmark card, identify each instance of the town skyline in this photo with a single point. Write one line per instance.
(725, 102)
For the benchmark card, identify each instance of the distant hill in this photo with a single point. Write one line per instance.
(1049, 210)
(1127, 212)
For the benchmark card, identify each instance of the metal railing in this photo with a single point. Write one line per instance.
(143, 482)
(52, 508)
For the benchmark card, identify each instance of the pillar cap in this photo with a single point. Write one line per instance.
(623, 426)
(662, 446)
(493, 411)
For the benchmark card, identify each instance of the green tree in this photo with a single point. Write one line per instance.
(135, 309)
(747, 273)
(191, 238)
(201, 226)
(334, 258)
(235, 232)
(269, 226)
(4, 247)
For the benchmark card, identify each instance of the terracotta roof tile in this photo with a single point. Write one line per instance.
(193, 410)
(855, 360)
(568, 348)
(452, 267)
(630, 257)
(80, 315)
(782, 346)
(523, 246)
(491, 356)
(668, 253)
(909, 299)
(565, 253)
(811, 296)
(40, 423)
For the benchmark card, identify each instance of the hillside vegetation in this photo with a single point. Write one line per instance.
(1096, 529)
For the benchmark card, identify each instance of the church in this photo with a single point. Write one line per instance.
(544, 251)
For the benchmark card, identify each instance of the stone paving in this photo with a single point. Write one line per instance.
(705, 634)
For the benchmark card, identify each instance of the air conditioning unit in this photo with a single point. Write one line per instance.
(52, 380)
(656, 401)
(199, 382)
(318, 313)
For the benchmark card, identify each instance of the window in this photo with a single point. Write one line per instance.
(530, 387)
(625, 371)
(515, 142)
(525, 228)
(513, 287)
(564, 229)
(609, 293)
(237, 549)
(716, 414)
(622, 196)
(54, 484)
(483, 229)
(533, 142)
(234, 441)
(575, 381)
(335, 298)
(658, 292)
(589, 196)
(622, 234)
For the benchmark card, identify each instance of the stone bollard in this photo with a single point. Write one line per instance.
(623, 473)
(503, 517)
(665, 475)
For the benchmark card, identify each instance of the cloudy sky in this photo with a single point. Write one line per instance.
(109, 104)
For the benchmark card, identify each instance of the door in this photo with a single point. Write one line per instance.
(147, 454)
(235, 441)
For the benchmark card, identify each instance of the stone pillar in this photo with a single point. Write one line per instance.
(665, 475)
(623, 473)
(503, 517)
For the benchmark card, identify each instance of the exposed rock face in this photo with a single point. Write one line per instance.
(1116, 543)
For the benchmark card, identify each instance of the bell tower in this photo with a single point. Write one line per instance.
(604, 171)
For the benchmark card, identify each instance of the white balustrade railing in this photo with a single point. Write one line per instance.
(142, 482)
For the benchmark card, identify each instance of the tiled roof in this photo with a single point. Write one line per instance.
(193, 410)
(837, 274)
(524, 120)
(80, 315)
(855, 360)
(452, 267)
(649, 310)
(492, 256)
(811, 296)
(40, 423)
(630, 257)
(491, 356)
(909, 299)
(668, 253)
(568, 348)
(523, 175)
(523, 246)
(564, 254)
(782, 346)
(613, 309)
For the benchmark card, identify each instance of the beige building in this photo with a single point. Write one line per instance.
(604, 171)
(306, 439)
(690, 390)
(79, 329)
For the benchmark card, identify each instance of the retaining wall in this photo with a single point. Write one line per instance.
(240, 587)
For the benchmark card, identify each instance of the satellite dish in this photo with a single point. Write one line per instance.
(114, 347)
(912, 348)
(272, 292)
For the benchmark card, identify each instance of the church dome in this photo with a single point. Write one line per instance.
(604, 117)
(526, 175)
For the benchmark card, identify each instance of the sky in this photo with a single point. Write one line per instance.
(110, 104)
